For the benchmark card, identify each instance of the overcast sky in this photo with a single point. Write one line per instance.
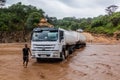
(70, 8)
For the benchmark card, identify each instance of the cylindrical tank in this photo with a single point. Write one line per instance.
(73, 37)
(70, 37)
(81, 38)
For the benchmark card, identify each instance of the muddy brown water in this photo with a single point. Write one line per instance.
(94, 62)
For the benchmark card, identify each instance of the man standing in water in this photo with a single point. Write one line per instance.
(26, 52)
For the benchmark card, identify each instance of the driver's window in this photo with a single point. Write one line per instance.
(61, 35)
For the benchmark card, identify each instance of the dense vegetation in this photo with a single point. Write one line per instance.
(19, 17)
(107, 24)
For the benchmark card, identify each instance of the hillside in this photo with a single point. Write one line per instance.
(92, 38)
(18, 20)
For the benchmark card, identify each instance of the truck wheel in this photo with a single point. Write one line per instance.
(62, 56)
(84, 44)
(66, 53)
(38, 59)
(70, 51)
(77, 46)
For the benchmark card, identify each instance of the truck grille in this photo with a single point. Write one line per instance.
(43, 47)
(43, 44)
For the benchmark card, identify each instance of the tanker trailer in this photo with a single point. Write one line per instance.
(53, 43)
(81, 41)
(73, 40)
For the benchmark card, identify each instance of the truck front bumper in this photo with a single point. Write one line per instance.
(45, 54)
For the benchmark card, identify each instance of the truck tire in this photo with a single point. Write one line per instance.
(38, 59)
(66, 53)
(77, 46)
(84, 44)
(70, 51)
(62, 56)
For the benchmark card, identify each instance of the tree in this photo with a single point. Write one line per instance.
(115, 19)
(111, 9)
(33, 20)
(14, 18)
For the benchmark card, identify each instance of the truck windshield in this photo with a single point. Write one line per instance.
(45, 36)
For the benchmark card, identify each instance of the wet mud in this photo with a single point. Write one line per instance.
(94, 62)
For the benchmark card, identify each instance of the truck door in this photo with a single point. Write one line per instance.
(61, 39)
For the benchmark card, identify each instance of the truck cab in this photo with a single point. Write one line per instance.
(47, 43)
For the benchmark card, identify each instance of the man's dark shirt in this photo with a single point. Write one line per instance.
(26, 51)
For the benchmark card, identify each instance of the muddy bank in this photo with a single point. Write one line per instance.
(20, 36)
(15, 36)
(98, 38)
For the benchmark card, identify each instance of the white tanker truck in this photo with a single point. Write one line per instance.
(55, 43)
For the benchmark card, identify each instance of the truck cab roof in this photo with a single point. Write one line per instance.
(44, 29)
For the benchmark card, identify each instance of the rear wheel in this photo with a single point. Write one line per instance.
(84, 44)
(70, 50)
(77, 46)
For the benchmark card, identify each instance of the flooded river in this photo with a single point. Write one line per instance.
(94, 62)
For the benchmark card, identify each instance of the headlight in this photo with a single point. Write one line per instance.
(55, 54)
